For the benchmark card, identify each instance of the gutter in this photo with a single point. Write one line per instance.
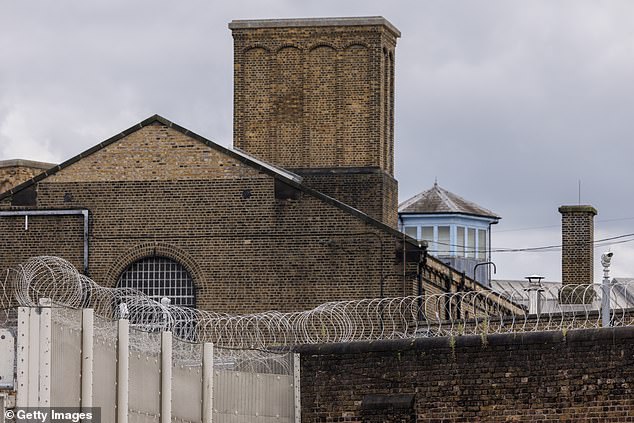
(27, 213)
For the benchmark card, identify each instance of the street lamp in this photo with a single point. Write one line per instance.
(534, 289)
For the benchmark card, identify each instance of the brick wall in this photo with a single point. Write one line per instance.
(319, 94)
(14, 172)
(584, 375)
(252, 240)
(370, 190)
(315, 92)
(159, 191)
(577, 238)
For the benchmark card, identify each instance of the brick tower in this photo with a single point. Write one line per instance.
(316, 96)
(577, 255)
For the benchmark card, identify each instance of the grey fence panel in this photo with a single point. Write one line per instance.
(105, 368)
(187, 382)
(65, 357)
(136, 417)
(145, 382)
(187, 393)
(252, 396)
(145, 376)
(7, 358)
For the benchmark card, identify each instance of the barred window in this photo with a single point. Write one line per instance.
(159, 277)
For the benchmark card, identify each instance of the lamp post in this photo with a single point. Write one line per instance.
(534, 289)
(605, 288)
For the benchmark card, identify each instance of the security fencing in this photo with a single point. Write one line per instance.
(74, 358)
(450, 314)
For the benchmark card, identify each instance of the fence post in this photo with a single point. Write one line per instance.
(123, 347)
(208, 382)
(23, 364)
(297, 388)
(45, 353)
(166, 377)
(87, 356)
(34, 358)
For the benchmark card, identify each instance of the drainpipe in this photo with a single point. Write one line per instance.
(422, 260)
(27, 213)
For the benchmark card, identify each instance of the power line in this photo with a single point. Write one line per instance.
(546, 248)
(528, 228)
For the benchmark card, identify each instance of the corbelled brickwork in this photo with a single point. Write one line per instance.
(584, 375)
(14, 172)
(318, 95)
(577, 238)
(315, 93)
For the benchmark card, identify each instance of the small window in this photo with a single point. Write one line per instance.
(427, 234)
(159, 277)
(471, 242)
(482, 244)
(411, 231)
(460, 241)
(443, 240)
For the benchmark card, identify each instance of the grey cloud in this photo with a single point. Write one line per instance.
(507, 103)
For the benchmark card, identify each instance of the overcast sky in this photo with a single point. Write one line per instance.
(509, 104)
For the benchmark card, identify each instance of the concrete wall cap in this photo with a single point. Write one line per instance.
(314, 22)
(26, 163)
(578, 209)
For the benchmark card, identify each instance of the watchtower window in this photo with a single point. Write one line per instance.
(159, 277)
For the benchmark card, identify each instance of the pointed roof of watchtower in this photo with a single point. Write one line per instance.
(438, 200)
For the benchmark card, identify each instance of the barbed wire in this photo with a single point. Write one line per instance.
(431, 315)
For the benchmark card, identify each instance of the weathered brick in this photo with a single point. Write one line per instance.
(317, 96)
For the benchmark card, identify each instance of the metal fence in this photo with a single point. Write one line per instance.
(72, 358)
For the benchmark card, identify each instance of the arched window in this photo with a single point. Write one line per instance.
(159, 277)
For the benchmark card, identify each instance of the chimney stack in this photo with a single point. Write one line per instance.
(577, 238)
(316, 96)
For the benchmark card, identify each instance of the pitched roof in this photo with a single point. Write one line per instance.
(237, 154)
(439, 200)
(282, 174)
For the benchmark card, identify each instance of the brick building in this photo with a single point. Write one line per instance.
(14, 172)
(302, 212)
